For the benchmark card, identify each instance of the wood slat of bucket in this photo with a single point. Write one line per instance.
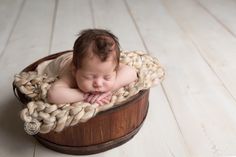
(106, 130)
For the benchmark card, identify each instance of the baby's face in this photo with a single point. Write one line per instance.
(96, 76)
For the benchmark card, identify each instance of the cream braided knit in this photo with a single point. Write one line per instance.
(40, 116)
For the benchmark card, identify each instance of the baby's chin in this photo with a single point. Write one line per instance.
(94, 91)
(97, 91)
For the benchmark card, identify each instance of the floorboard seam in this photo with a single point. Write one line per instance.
(199, 50)
(217, 19)
(13, 28)
(163, 89)
(35, 145)
(175, 118)
(136, 25)
(53, 26)
(92, 13)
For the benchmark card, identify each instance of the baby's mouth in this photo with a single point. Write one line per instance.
(96, 92)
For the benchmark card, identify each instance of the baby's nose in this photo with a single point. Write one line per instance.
(97, 83)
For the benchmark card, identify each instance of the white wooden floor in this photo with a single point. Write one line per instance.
(193, 112)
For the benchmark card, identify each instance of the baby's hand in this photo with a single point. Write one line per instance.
(101, 98)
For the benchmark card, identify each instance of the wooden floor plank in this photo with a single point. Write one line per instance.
(8, 20)
(203, 108)
(114, 16)
(28, 42)
(72, 16)
(215, 43)
(223, 11)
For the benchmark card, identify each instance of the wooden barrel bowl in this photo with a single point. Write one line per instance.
(108, 129)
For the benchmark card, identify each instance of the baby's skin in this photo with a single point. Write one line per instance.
(94, 82)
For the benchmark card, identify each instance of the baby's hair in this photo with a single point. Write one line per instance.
(102, 43)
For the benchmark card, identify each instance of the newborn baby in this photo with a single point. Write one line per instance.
(94, 72)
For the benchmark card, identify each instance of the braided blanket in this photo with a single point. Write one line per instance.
(41, 116)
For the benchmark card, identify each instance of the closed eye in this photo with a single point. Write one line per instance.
(107, 77)
(88, 77)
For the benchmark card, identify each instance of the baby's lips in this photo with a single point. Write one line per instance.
(96, 92)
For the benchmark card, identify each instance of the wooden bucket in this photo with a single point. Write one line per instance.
(108, 129)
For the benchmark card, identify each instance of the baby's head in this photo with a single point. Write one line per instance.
(95, 60)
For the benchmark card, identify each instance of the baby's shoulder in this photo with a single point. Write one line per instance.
(123, 65)
(67, 77)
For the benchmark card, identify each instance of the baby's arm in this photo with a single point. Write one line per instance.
(125, 75)
(61, 92)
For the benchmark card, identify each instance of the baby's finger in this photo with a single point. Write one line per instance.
(90, 97)
(104, 95)
(105, 101)
(95, 97)
(108, 97)
(100, 103)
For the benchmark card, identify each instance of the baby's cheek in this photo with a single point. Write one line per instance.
(85, 86)
(109, 85)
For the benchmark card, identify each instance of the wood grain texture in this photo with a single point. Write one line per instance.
(26, 29)
(213, 37)
(8, 20)
(106, 130)
(196, 95)
(71, 16)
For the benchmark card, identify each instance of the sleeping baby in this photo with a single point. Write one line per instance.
(92, 72)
